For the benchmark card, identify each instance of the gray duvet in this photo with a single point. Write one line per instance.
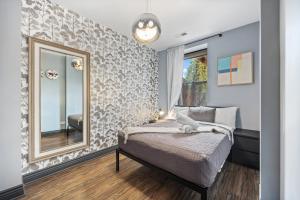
(194, 157)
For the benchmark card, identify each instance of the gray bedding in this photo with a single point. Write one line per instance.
(194, 157)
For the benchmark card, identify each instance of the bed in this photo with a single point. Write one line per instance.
(74, 121)
(192, 159)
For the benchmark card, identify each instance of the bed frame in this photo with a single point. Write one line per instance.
(193, 186)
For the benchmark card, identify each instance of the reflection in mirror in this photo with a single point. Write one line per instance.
(58, 99)
(61, 99)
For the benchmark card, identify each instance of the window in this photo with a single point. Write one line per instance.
(194, 84)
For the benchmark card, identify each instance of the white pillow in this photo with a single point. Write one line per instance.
(177, 109)
(226, 116)
(202, 113)
(181, 109)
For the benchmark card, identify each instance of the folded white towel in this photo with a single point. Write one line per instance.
(185, 120)
(187, 129)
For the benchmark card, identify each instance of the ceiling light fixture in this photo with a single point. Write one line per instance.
(146, 29)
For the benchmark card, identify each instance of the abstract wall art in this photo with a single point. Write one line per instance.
(236, 69)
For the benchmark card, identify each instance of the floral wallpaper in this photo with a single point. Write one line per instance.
(124, 75)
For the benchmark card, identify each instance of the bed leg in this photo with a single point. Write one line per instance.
(204, 194)
(68, 130)
(117, 160)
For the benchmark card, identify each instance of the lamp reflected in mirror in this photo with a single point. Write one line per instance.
(161, 113)
(77, 64)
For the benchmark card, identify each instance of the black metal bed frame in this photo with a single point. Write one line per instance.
(193, 186)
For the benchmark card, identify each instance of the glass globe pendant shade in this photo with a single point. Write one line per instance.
(146, 29)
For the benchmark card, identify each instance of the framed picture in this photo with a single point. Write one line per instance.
(236, 69)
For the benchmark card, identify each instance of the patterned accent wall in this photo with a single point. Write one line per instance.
(124, 75)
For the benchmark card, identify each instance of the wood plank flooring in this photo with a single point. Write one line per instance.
(58, 140)
(97, 179)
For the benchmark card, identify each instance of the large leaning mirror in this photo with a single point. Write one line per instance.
(58, 99)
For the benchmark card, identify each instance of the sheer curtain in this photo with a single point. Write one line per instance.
(175, 57)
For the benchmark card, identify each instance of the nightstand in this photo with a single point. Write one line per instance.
(156, 120)
(245, 150)
(152, 121)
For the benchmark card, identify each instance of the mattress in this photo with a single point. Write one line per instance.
(194, 157)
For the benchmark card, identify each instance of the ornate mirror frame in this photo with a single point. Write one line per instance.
(35, 153)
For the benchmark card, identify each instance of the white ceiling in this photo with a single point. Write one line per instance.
(198, 18)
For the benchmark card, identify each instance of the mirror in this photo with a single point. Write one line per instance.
(59, 99)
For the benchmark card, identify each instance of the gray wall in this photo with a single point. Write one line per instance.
(270, 100)
(246, 97)
(10, 144)
(162, 80)
(53, 92)
(74, 89)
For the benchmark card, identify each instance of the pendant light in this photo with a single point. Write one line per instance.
(146, 29)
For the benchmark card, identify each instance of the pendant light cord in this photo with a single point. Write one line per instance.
(148, 6)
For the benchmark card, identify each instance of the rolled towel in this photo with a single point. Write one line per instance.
(185, 120)
(187, 129)
(201, 129)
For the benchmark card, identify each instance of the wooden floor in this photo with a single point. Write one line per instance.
(97, 179)
(58, 140)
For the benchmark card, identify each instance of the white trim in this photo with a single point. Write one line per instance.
(282, 97)
(290, 98)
